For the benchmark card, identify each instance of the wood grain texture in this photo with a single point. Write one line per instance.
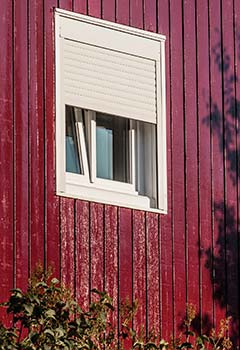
(97, 246)
(139, 269)
(205, 180)
(108, 10)
(80, 6)
(136, 13)
(217, 160)
(191, 149)
(111, 258)
(166, 221)
(21, 158)
(36, 130)
(82, 253)
(125, 259)
(52, 227)
(6, 153)
(67, 251)
(122, 11)
(178, 163)
(153, 257)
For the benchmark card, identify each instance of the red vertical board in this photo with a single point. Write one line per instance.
(153, 274)
(232, 290)
(94, 8)
(97, 246)
(122, 11)
(111, 257)
(65, 4)
(205, 217)
(125, 257)
(21, 141)
(51, 200)
(80, 6)
(217, 156)
(150, 15)
(82, 253)
(166, 241)
(67, 222)
(139, 269)
(67, 243)
(136, 13)
(191, 142)
(6, 152)
(36, 126)
(178, 165)
(108, 10)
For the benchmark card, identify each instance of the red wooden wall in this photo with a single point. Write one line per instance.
(189, 255)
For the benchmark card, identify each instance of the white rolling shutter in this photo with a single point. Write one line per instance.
(108, 71)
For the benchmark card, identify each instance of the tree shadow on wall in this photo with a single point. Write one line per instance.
(223, 260)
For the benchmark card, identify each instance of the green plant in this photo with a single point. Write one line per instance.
(46, 317)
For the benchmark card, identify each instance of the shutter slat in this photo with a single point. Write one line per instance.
(109, 81)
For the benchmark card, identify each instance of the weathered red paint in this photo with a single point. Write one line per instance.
(205, 185)
(21, 154)
(217, 157)
(166, 241)
(133, 254)
(36, 136)
(82, 253)
(6, 151)
(191, 154)
(178, 165)
(52, 201)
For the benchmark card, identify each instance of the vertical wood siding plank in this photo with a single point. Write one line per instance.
(94, 8)
(178, 168)
(125, 258)
(152, 236)
(237, 110)
(205, 217)
(67, 222)
(136, 13)
(97, 246)
(191, 142)
(80, 6)
(66, 4)
(166, 235)
(111, 258)
(217, 156)
(67, 243)
(51, 200)
(153, 274)
(21, 141)
(150, 15)
(82, 253)
(122, 11)
(6, 153)
(108, 10)
(231, 238)
(139, 269)
(36, 125)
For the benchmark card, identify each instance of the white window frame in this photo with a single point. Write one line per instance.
(88, 186)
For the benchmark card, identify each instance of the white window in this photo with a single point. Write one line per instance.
(110, 113)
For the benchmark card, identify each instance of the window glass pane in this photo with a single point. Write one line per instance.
(72, 155)
(146, 161)
(112, 143)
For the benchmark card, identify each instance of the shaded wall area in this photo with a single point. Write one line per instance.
(189, 255)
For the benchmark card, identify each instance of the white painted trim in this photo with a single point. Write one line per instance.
(110, 25)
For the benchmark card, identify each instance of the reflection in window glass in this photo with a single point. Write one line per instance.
(72, 155)
(112, 145)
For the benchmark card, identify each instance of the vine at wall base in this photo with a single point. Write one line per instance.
(46, 317)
